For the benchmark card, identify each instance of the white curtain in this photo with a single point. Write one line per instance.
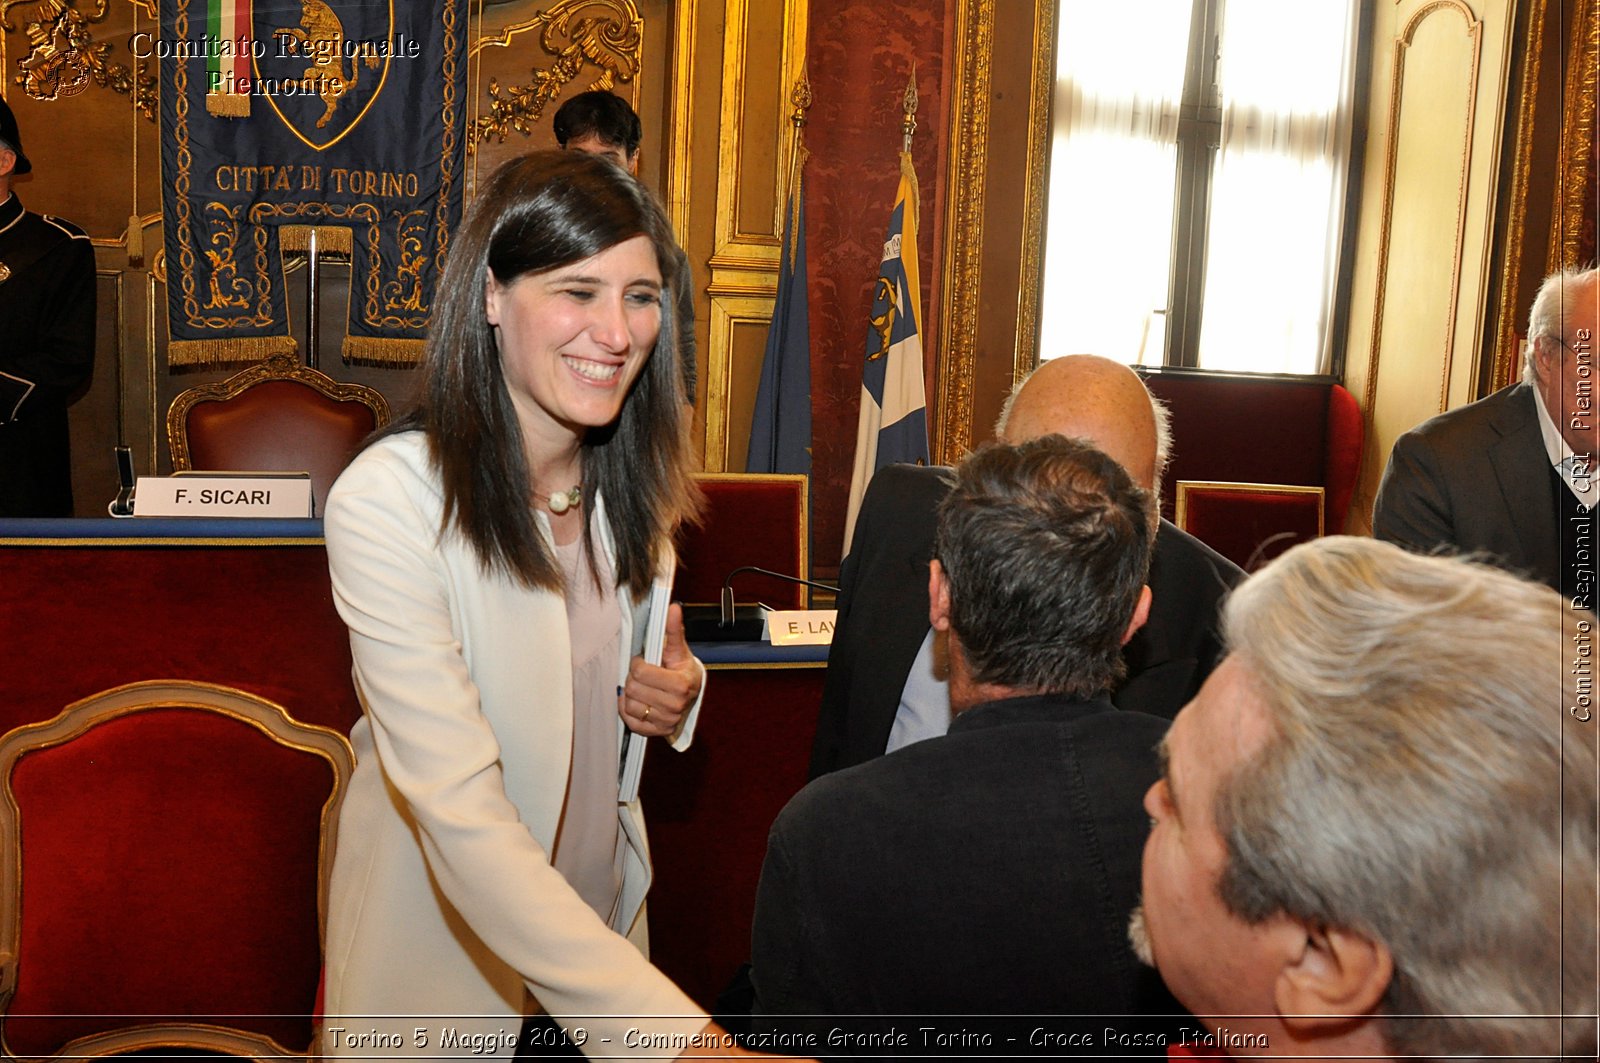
(1277, 192)
(1278, 189)
(1112, 163)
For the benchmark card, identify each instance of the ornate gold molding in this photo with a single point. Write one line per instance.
(962, 278)
(1577, 136)
(679, 167)
(1026, 354)
(1504, 365)
(605, 34)
(64, 59)
(1402, 43)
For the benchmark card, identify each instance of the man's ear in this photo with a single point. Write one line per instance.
(938, 597)
(8, 161)
(1141, 613)
(1546, 355)
(1334, 975)
(633, 162)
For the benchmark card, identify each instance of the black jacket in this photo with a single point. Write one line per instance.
(1476, 479)
(46, 356)
(990, 871)
(883, 616)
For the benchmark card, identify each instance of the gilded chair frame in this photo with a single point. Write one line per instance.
(278, 367)
(78, 719)
(803, 531)
(1182, 488)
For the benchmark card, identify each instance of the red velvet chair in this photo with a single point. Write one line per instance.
(760, 519)
(1232, 429)
(1249, 524)
(278, 416)
(163, 858)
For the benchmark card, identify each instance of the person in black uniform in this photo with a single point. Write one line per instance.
(46, 342)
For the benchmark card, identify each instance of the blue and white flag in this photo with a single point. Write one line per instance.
(894, 414)
(780, 427)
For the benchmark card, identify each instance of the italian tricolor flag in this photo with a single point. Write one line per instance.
(228, 70)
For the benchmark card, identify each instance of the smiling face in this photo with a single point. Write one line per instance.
(572, 340)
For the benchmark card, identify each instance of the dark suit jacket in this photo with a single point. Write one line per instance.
(883, 617)
(990, 871)
(1476, 479)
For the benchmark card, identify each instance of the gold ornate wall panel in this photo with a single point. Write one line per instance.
(1578, 117)
(762, 55)
(1440, 77)
(1549, 170)
(1040, 94)
(738, 328)
(963, 260)
(994, 213)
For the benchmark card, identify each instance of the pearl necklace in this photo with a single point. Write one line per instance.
(561, 501)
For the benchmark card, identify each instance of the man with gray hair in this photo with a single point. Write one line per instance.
(989, 871)
(1513, 475)
(1374, 835)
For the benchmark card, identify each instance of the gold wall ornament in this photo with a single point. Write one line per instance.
(64, 59)
(964, 215)
(605, 34)
(1577, 137)
(908, 105)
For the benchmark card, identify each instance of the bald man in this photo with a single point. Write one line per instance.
(887, 685)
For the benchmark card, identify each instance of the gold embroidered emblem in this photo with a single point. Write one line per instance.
(5, 272)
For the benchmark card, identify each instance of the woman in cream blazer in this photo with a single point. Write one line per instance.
(550, 364)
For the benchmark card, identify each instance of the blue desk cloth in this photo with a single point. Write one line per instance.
(57, 528)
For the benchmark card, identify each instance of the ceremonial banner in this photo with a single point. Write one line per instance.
(278, 116)
(780, 426)
(893, 426)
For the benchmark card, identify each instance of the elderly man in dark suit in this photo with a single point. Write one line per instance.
(885, 685)
(1513, 476)
(991, 870)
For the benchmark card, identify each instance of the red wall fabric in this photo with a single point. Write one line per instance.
(859, 57)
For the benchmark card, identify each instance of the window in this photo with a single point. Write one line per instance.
(1197, 182)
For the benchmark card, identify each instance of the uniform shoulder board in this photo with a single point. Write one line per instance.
(66, 227)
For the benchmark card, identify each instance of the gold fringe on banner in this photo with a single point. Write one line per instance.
(222, 352)
(334, 238)
(228, 105)
(385, 353)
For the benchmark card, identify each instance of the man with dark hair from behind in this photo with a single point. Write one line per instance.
(603, 123)
(989, 871)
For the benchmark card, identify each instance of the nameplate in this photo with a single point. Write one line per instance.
(801, 627)
(224, 495)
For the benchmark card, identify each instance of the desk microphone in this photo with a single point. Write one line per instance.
(122, 505)
(729, 611)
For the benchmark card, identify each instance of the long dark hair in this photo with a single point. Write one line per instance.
(536, 213)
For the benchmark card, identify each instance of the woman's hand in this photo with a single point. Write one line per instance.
(657, 695)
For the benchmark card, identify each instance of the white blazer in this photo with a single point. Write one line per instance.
(443, 902)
